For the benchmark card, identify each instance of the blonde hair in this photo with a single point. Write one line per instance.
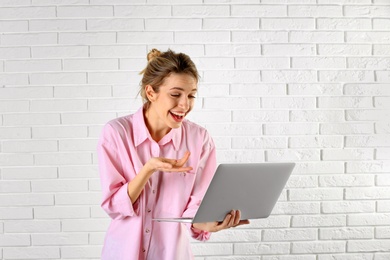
(161, 65)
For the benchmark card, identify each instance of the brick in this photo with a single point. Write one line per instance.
(58, 78)
(367, 141)
(259, 37)
(367, 193)
(113, 77)
(260, 89)
(26, 200)
(322, 194)
(211, 117)
(382, 232)
(59, 239)
(56, 25)
(347, 233)
(59, 51)
(33, 65)
(319, 247)
(381, 49)
(382, 76)
(86, 38)
(241, 156)
(259, 10)
(118, 51)
(59, 186)
(260, 116)
(144, 11)
(315, 11)
(288, 102)
(289, 128)
(368, 166)
(319, 62)
(62, 158)
(11, 213)
(261, 248)
(115, 24)
(296, 208)
(346, 128)
(288, 49)
(232, 103)
(299, 181)
(89, 225)
(214, 63)
(14, 106)
(29, 146)
(14, 53)
(90, 64)
(29, 173)
(58, 212)
(316, 37)
(259, 142)
(13, 79)
(278, 235)
(237, 235)
(319, 167)
(59, 132)
(82, 91)
(82, 171)
(32, 226)
(81, 252)
(289, 76)
(367, 37)
(227, 50)
(85, 11)
(346, 180)
(58, 105)
(32, 252)
(26, 12)
(366, 11)
(382, 153)
(87, 118)
(317, 116)
(7, 133)
(343, 24)
(262, 63)
(344, 49)
(346, 76)
(347, 154)
(375, 219)
(232, 76)
(288, 24)
(78, 198)
(7, 159)
(78, 145)
(14, 240)
(14, 186)
(315, 141)
(381, 102)
(231, 23)
(345, 256)
(13, 26)
(113, 104)
(29, 39)
(293, 155)
(177, 24)
(368, 246)
(202, 37)
(369, 63)
(382, 127)
(343, 207)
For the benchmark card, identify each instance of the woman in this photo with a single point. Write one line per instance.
(155, 163)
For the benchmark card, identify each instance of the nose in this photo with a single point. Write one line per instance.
(184, 103)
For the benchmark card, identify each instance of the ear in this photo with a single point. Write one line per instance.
(150, 94)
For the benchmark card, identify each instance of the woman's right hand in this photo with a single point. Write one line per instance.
(168, 165)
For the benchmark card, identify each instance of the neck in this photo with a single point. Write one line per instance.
(156, 129)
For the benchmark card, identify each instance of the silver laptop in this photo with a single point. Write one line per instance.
(252, 188)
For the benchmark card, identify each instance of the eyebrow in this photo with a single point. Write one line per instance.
(182, 89)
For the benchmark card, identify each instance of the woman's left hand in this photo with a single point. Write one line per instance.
(232, 219)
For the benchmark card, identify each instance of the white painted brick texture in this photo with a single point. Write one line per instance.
(305, 81)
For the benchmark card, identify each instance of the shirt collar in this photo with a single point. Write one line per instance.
(141, 132)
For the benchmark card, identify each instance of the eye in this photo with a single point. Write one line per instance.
(191, 96)
(175, 95)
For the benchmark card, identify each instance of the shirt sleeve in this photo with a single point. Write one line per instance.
(205, 173)
(116, 201)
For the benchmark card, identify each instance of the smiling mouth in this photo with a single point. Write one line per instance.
(177, 116)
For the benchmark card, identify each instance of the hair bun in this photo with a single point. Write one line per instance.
(153, 54)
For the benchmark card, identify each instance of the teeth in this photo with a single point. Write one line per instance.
(178, 114)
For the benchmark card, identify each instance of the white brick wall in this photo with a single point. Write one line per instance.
(304, 80)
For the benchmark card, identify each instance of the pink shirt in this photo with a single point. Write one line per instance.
(124, 147)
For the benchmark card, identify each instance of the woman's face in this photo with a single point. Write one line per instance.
(173, 102)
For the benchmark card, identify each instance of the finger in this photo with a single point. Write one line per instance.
(182, 169)
(237, 218)
(183, 160)
(232, 220)
(225, 222)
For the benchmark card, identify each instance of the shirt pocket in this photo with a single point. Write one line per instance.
(176, 190)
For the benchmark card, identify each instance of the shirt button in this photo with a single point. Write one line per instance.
(149, 210)
(143, 250)
(147, 230)
(154, 191)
